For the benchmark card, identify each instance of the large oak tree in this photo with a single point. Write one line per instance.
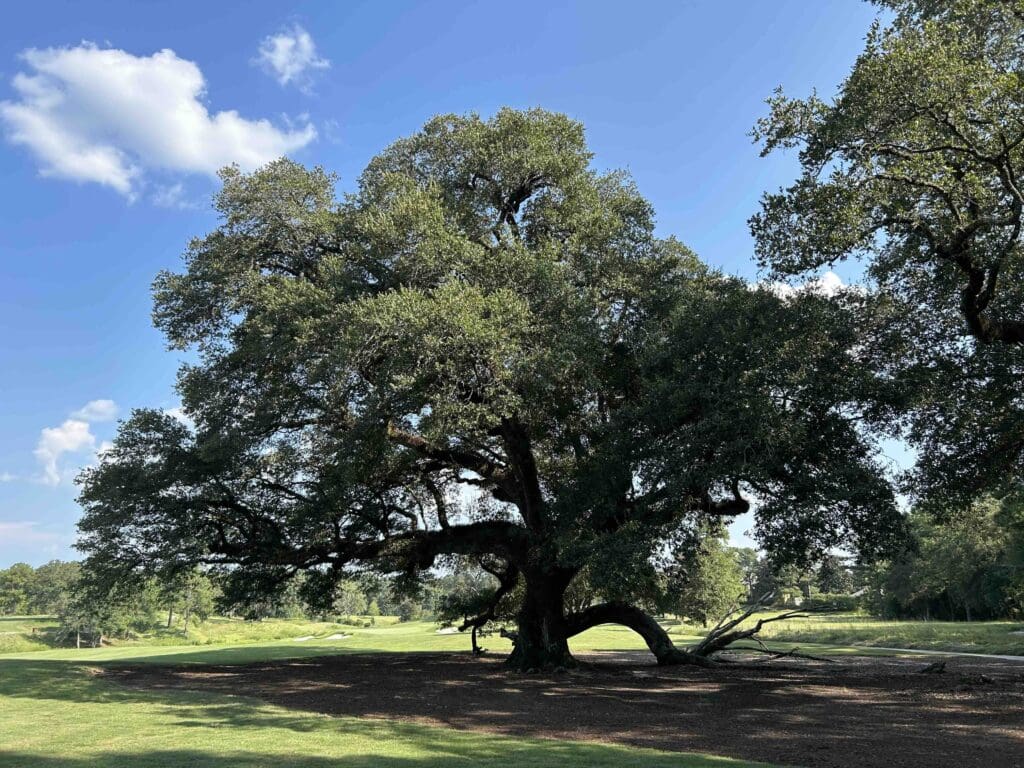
(484, 351)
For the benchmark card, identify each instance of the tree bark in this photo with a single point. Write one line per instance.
(657, 639)
(542, 641)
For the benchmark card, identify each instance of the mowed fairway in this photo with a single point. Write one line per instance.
(58, 710)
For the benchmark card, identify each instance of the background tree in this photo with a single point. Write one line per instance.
(705, 580)
(349, 599)
(51, 586)
(486, 313)
(968, 565)
(915, 168)
(746, 557)
(192, 595)
(832, 576)
(16, 588)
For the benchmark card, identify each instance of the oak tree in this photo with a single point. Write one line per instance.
(484, 351)
(915, 168)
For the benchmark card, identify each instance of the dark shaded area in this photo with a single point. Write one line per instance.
(872, 712)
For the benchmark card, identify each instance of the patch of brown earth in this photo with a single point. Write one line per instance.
(865, 712)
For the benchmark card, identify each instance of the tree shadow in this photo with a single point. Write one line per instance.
(205, 716)
(812, 715)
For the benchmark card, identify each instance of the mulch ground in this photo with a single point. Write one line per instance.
(866, 712)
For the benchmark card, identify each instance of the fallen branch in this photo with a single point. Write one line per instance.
(793, 653)
(725, 632)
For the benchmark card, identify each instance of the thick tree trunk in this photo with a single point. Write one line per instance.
(542, 641)
(657, 639)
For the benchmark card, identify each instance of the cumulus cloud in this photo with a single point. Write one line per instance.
(96, 410)
(72, 436)
(290, 57)
(104, 115)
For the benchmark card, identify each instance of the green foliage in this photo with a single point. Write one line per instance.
(915, 168)
(833, 576)
(705, 581)
(349, 600)
(192, 595)
(967, 566)
(747, 559)
(486, 316)
(823, 601)
(16, 588)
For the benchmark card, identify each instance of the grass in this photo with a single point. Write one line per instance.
(25, 633)
(58, 712)
(995, 637)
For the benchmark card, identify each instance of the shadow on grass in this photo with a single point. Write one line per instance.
(481, 714)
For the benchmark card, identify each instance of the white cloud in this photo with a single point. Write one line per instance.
(7, 477)
(73, 436)
(828, 284)
(178, 413)
(70, 437)
(290, 56)
(104, 115)
(96, 410)
(172, 196)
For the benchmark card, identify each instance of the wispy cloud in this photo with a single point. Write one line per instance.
(104, 115)
(20, 536)
(172, 196)
(290, 57)
(96, 410)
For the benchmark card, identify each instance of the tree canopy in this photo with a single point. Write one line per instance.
(484, 351)
(915, 167)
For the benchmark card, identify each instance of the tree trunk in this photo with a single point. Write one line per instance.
(543, 640)
(170, 617)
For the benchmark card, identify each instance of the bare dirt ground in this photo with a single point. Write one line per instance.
(864, 711)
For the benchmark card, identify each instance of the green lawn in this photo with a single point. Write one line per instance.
(58, 712)
(851, 630)
(25, 633)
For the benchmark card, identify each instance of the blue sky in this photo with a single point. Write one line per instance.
(114, 115)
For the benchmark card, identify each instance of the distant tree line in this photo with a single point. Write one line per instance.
(965, 566)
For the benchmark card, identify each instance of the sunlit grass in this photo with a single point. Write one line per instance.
(25, 633)
(995, 637)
